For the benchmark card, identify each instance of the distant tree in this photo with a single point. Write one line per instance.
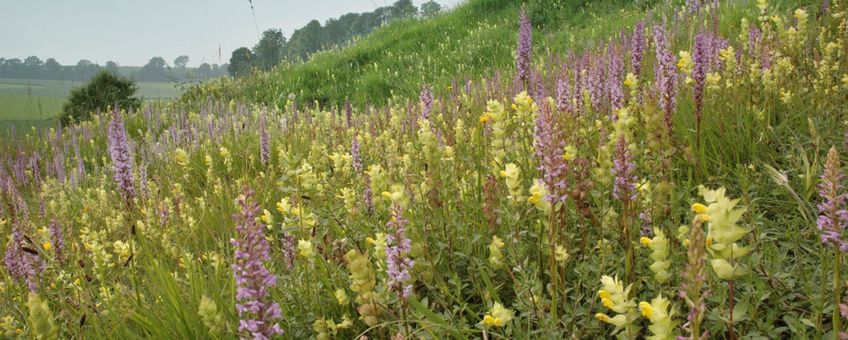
(112, 66)
(241, 62)
(103, 90)
(33, 67)
(430, 9)
(2, 67)
(306, 40)
(269, 51)
(52, 69)
(204, 70)
(154, 70)
(402, 9)
(181, 62)
(85, 69)
(14, 68)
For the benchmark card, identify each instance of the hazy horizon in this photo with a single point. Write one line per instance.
(130, 33)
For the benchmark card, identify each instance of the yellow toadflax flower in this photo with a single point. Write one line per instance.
(495, 254)
(614, 297)
(723, 232)
(305, 249)
(511, 174)
(662, 324)
(498, 316)
(659, 254)
(537, 198)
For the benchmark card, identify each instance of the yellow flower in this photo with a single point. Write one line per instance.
(560, 254)
(661, 318)
(538, 192)
(341, 297)
(699, 208)
(684, 64)
(498, 316)
(283, 206)
(570, 153)
(305, 249)
(485, 118)
(267, 218)
(46, 246)
(495, 254)
(645, 241)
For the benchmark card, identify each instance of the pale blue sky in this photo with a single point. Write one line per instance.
(130, 32)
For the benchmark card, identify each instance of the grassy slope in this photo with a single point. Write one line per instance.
(474, 40)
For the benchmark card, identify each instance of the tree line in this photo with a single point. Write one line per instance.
(273, 46)
(157, 69)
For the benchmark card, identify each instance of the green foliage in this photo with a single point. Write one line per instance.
(103, 91)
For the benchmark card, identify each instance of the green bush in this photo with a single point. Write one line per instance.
(103, 90)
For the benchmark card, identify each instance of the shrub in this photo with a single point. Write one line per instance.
(103, 90)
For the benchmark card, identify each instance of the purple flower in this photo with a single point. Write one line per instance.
(693, 5)
(398, 262)
(833, 217)
(624, 170)
(548, 143)
(57, 239)
(348, 112)
(258, 313)
(426, 102)
(264, 142)
(595, 82)
(289, 246)
(638, 51)
(119, 151)
(22, 262)
(615, 80)
(357, 158)
(699, 74)
(367, 195)
(524, 50)
(666, 76)
(563, 93)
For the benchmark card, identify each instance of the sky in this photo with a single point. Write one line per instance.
(130, 32)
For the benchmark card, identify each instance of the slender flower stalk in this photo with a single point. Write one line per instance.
(258, 313)
(624, 190)
(563, 94)
(615, 81)
(549, 146)
(831, 223)
(264, 142)
(638, 49)
(398, 262)
(57, 240)
(694, 279)
(355, 155)
(524, 51)
(119, 151)
(23, 262)
(348, 113)
(426, 98)
(699, 75)
(666, 76)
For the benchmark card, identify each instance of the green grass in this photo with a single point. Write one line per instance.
(30, 99)
(474, 40)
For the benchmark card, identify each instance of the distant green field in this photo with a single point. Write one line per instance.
(29, 99)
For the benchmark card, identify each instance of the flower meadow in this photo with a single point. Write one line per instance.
(680, 179)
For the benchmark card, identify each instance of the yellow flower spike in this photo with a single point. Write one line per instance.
(699, 208)
(498, 316)
(645, 309)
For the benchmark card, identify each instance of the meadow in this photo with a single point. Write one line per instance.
(34, 100)
(676, 172)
